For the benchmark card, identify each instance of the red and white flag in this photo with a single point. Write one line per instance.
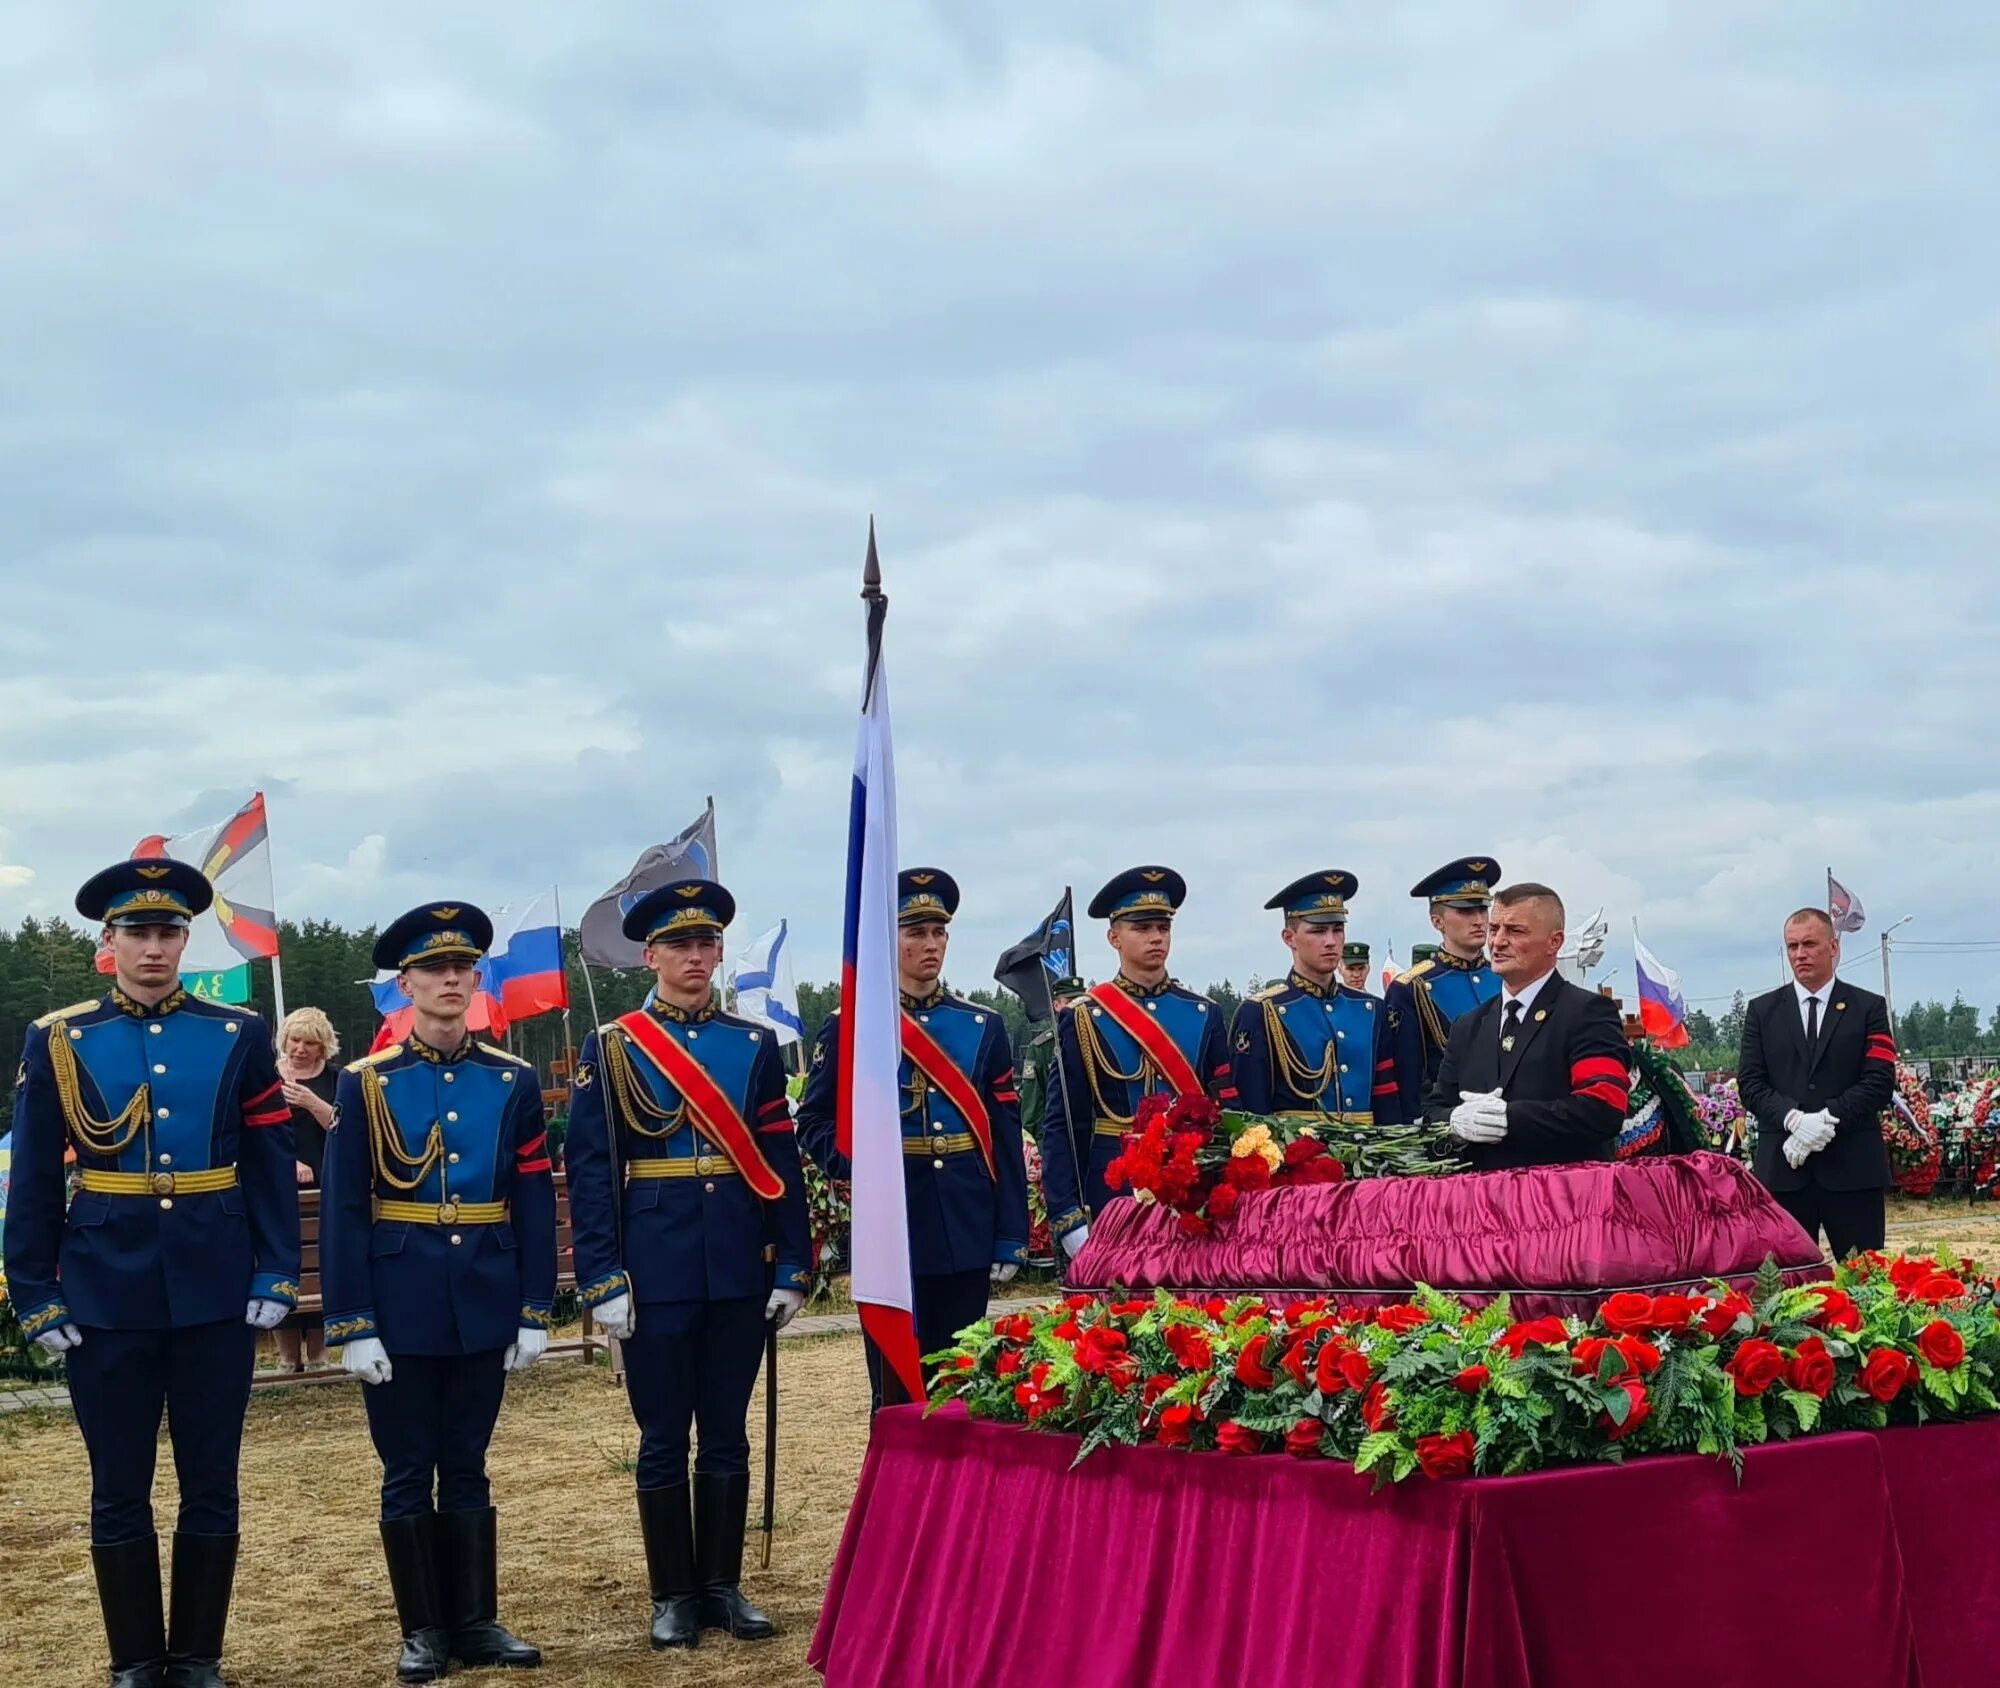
(1843, 907)
(869, 1118)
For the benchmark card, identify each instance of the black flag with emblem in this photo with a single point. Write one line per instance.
(1042, 962)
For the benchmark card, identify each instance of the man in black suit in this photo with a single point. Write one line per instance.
(1541, 1073)
(1817, 1067)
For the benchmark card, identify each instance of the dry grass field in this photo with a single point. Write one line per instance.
(312, 1604)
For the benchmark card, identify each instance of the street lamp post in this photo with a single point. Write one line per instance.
(1888, 1001)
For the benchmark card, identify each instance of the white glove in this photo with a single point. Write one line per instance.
(367, 1359)
(59, 1339)
(1073, 1241)
(1004, 1271)
(784, 1305)
(1480, 1117)
(528, 1346)
(1796, 1118)
(616, 1317)
(265, 1315)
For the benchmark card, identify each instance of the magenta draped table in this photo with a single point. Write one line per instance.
(974, 1558)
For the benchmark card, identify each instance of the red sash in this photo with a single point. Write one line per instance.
(713, 1111)
(931, 1060)
(1151, 1036)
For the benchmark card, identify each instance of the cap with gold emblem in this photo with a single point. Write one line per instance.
(1353, 953)
(1140, 893)
(160, 892)
(1319, 899)
(434, 932)
(680, 908)
(925, 893)
(1466, 883)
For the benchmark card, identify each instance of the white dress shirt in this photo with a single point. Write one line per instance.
(1824, 995)
(1525, 997)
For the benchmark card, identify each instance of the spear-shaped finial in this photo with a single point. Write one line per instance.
(871, 571)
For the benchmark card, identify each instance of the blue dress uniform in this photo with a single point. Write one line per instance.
(964, 1218)
(664, 1212)
(1423, 1002)
(186, 1215)
(438, 1240)
(1105, 1073)
(1325, 1050)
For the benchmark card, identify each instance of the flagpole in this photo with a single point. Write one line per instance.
(1076, 1156)
(277, 966)
(569, 1046)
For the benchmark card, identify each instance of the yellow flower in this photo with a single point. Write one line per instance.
(1251, 1142)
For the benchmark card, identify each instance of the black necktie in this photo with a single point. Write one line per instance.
(1512, 1026)
(1812, 1027)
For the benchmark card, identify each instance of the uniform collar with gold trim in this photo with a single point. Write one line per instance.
(167, 1004)
(1139, 992)
(440, 1057)
(915, 1004)
(1444, 958)
(662, 1009)
(1299, 982)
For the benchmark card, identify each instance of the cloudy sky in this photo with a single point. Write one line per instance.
(1299, 436)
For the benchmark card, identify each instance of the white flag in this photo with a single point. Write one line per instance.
(765, 989)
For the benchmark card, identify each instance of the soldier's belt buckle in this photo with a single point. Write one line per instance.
(448, 1212)
(703, 1166)
(163, 1183)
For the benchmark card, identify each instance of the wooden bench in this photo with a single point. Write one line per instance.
(588, 1341)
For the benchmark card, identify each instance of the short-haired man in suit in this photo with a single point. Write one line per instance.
(1816, 1068)
(1540, 1074)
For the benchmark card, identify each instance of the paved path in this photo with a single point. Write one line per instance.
(817, 1324)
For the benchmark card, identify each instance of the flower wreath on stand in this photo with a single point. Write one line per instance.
(1725, 1127)
(1982, 1150)
(1912, 1138)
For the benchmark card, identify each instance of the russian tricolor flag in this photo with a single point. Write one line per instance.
(1662, 1008)
(869, 1112)
(521, 976)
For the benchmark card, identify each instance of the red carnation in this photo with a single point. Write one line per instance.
(1251, 1371)
(1639, 1411)
(1471, 1380)
(1324, 1170)
(1722, 1317)
(1402, 1319)
(1247, 1172)
(1885, 1374)
(1193, 1225)
(1222, 1201)
(1756, 1366)
(1549, 1331)
(1116, 1174)
(1446, 1456)
(1811, 1368)
(1940, 1344)
(1189, 1346)
(1150, 1108)
(1176, 1427)
(1836, 1309)
(1100, 1350)
(1302, 1440)
(1626, 1312)
(1376, 1412)
(1302, 1149)
(1233, 1438)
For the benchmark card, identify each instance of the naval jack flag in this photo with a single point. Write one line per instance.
(869, 1105)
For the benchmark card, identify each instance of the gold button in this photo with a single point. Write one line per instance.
(454, 1160)
(451, 1116)
(166, 1201)
(455, 1239)
(703, 1167)
(159, 1066)
(163, 1183)
(166, 1113)
(940, 1142)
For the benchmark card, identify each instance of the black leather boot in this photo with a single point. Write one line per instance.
(128, 1593)
(409, 1547)
(469, 1566)
(204, 1574)
(668, 1526)
(721, 1508)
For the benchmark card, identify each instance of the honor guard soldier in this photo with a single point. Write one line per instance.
(1354, 967)
(1452, 981)
(181, 1244)
(691, 1241)
(964, 1171)
(1311, 1044)
(1136, 1035)
(438, 1263)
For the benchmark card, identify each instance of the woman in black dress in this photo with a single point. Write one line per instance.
(307, 1045)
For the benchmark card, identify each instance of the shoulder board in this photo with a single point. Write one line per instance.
(1416, 972)
(52, 1017)
(376, 1059)
(203, 1008)
(508, 1056)
(1269, 991)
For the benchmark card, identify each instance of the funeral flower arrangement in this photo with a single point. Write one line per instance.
(1915, 1153)
(1724, 1125)
(1199, 1160)
(1432, 1388)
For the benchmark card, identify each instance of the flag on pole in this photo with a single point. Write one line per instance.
(1042, 960)
(765, 989)
(1662, 1005)
(1843, 907)
(239, 927)
(690, 854)
(1390, 969)
(869, 1107)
